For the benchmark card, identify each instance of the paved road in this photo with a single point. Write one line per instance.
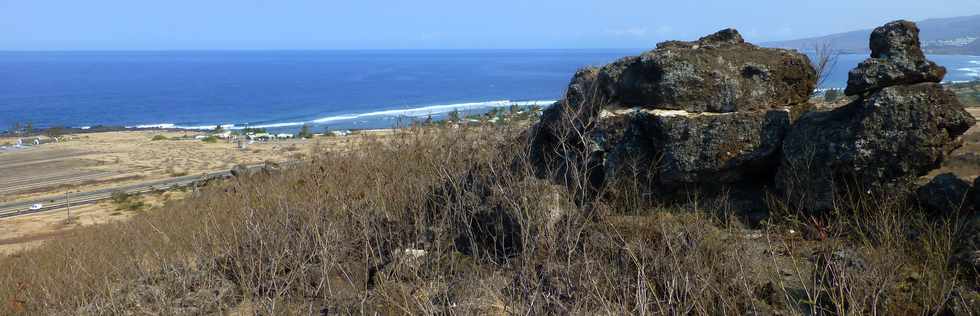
(57, 202)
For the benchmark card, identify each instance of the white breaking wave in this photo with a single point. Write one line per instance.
(175, 126)
(410, 112)
(971, 71)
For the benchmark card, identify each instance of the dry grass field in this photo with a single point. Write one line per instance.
(450, 221)
(98, 160)
(95, 161)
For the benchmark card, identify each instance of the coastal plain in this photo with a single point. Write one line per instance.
(107, 160)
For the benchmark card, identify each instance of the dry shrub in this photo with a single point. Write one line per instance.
(453, 221)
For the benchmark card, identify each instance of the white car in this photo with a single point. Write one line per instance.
(36, 206)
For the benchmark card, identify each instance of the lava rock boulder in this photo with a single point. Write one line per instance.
(700, 149)
(946, 194)
(717, 73)
(873, 145)
(896, 59)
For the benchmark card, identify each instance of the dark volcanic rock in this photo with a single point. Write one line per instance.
(896, 58)
(717, 73)
(897, 133)
(976, 193)
(702, 149)
(946, 194)
(966, 252)
(712, 111)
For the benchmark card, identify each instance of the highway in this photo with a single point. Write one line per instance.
(57, 202)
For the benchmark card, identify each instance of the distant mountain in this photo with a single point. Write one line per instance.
(959, 35)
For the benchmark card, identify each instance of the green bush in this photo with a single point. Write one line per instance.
(159, 137)
(210, 139)
(119, 197)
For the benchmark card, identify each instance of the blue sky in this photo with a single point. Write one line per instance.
(432, 24)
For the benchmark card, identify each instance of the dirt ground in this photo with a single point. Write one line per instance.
(100, 160)
(28, 231)
(93, 161)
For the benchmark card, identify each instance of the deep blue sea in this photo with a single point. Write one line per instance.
(284, 89)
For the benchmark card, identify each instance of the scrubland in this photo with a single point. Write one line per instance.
(446, 220)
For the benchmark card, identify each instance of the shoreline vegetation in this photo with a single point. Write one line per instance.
(518, 111)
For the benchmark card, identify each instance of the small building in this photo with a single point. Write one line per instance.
(340, 133)
(223, 135)
(284, 136)
(260, 136)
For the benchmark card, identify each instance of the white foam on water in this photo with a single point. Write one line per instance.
(409, 112)
(158, 125)
(970, 71)
(413, 112)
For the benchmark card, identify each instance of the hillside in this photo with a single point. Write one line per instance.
(957, 35)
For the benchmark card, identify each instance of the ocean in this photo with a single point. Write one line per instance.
(281, 90)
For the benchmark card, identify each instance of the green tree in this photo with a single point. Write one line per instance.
(219, 129)
(831, 95)
(536, 109)
(304, 132)
(514, 108)
(54, 132)
(454, 116)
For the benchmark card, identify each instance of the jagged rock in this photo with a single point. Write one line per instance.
(896, 59)
(712, 111)
(717, 73)
(894, 135)
(976, 193)
(946, 194)
(701, 148)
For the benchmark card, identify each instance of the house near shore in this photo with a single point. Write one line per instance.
(260, 136)
(284, 136)
(223, 135)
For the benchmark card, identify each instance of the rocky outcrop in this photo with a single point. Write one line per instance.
(946, 194)
(686, 114)
(716, 112)
(902, 127)
(696, 148)
(717, 73)
(896, 59)
(875, 145)
(976, 193)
